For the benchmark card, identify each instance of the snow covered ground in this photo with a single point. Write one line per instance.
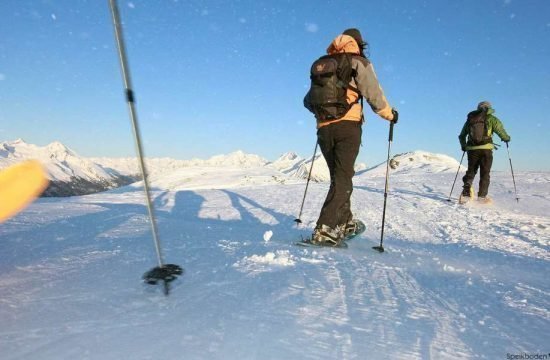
(454, 282)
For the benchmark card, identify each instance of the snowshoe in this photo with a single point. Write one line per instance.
(466, 197)
(324, 235)
(484, 200)
(327, 237)
(307, 242)
(354, 228)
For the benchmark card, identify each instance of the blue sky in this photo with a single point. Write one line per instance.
(213, 77)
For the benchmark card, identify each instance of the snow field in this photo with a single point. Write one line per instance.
(454, 282)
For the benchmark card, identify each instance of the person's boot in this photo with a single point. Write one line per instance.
(326, 236)
(466, 196)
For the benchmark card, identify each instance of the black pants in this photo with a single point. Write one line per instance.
(478, 159)
(339, 143)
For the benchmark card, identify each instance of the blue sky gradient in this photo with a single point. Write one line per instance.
(212, 77)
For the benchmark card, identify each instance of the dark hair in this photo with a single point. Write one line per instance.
(364, 49)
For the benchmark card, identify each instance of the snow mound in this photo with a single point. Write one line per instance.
(286, 162)
(416, 162)
(255, 264)
(267, 235)
(237, 158)
(319, 171)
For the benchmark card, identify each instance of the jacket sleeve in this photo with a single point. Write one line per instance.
(463, 134)
(367, 84)
(498, 129)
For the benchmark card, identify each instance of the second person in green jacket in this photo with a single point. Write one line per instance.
(476, 138)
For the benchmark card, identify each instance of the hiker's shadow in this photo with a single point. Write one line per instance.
(227, 215)
(104, 228)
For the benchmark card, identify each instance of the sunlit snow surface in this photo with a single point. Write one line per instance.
(455, 281)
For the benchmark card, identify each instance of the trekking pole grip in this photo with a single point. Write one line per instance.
(390, 138)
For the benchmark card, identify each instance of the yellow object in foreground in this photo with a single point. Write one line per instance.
(20, 184)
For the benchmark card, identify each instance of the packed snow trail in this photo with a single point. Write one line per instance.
(454, 282)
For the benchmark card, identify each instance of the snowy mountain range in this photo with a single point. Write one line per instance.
(71, 174)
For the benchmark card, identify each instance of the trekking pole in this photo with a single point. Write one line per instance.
(380, 248)
(512, 169)
(298, 220)
(456, 176)
(163, 272)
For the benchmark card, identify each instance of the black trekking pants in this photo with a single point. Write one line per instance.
(478, 159)
(339, 143)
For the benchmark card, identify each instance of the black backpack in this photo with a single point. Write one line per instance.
(330, 79)
(477, 128)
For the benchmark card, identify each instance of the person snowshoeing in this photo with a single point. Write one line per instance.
(344, 70)
(476, 138)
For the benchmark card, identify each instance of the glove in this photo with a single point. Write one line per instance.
(463, 148)
(507, 140)
(395, 115)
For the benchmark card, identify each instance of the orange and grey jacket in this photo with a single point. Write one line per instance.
(365, 81)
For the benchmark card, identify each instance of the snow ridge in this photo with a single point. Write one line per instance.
(418, 161)
(72, 174)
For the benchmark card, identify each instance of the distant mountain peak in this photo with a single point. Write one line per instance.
(63, 165)
(57, 149)
(286, 162)
(291, 155)
(237, 158)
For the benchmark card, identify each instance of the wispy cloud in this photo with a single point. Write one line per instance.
(312, 28)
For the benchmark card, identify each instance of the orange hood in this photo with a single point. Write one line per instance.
(343, 44)
(379, 104)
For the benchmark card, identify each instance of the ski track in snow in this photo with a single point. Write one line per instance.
(454, 282)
